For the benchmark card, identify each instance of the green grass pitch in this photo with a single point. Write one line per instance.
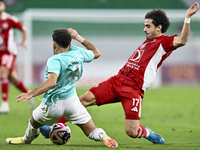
(170, 111)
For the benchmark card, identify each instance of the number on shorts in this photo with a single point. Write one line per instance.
(135, 104)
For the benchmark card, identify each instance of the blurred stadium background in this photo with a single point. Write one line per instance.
(114, 26)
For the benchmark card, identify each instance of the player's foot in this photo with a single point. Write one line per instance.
(4, 108)
(18, 140)
(109, 142)
(45, 130)
(31, 103)
(154, 137)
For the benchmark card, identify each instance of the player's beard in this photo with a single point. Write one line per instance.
(151, 35)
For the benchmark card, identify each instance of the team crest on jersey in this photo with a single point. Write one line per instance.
(4, 26)
(137, 55)
(86, 50)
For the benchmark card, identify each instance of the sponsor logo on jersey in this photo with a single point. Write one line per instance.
(137, 55)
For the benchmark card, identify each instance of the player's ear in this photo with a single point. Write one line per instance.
(159, 28)
(70, 44)
(54, 45)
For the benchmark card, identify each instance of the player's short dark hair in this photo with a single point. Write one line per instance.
(159, 18)
(62, 37)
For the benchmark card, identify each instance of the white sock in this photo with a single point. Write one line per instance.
(30, 134)
(94, 135)
(148, 133)
(4, 104)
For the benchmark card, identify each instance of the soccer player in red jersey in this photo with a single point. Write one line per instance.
(136, 76)
(8, 54)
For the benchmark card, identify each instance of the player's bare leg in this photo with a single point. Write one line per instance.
(97, 134)
(32, 132)
(13, 77)
(4, 72)
(136, 130)
(88, 99)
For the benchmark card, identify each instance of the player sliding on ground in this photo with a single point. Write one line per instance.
(136, 76)
(62, 72)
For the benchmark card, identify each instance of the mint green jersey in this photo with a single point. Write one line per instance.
(69, 68)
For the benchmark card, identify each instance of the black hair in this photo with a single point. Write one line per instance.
(159, 18)
(62, 37)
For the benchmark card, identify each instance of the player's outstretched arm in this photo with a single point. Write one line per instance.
(84, 42)
(47, 85)
(182, 40)
(24, 36)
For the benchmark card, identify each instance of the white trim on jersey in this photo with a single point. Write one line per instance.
(6, 15)
(151, 69)
(12, 46)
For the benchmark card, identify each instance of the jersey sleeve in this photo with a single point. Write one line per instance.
(16, 23)
(53, 65)
(88, 55)
(168, 43)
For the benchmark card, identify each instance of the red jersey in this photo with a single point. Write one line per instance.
(7, 43)
(144, 62)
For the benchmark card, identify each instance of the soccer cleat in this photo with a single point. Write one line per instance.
(45, 130)
(107, 140)
(4, 109)
(15, 141)
(154, 137)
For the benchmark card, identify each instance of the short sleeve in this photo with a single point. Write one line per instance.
(16, 23)
(168, 43)
(53, 65)
(88, 55)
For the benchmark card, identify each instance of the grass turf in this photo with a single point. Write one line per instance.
(172, 112)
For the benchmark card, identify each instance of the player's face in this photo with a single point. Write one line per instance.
(149, 29)
(2, 7)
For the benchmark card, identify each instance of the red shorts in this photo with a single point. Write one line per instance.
(8, 61)
(117, 89)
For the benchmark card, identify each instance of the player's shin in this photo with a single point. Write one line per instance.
(30, 134)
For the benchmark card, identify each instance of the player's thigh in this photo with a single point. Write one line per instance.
(4, 72)
(131, 101)
(48, 114)
(7, 61)
(75, 112)
(105, 92)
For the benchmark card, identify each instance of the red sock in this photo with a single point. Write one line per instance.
(21, 87)
(142, 132)
(4, 89)
(62, 120)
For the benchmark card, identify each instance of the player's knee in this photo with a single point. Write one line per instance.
(87, 99)
(132, 133)
(83, 99)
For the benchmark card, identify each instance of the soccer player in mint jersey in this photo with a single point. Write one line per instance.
(62, 72)
(8, 55)
(134, 78)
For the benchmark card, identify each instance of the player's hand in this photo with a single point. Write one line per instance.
(73, 33)
(23, 44)
(24, 97)
(192, 10)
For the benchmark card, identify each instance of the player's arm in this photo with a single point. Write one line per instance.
(24, 36)
(182, 40)
(47, 85)
(84, 42)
